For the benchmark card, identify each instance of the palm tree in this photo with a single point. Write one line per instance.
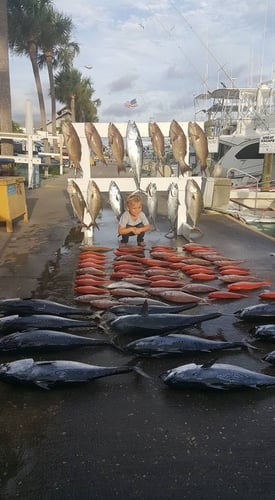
(5, 95)
(70, 85)
(26, 25)
(57, 50)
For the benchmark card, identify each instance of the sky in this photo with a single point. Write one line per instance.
(163, 53)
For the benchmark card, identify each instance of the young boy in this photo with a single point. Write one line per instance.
(133, 221)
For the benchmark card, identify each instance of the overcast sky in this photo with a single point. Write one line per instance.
(160, 52)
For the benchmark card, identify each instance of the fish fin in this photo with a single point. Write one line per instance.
(145, 308)
(209, 363)
(42, 385)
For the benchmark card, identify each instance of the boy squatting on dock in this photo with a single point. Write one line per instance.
(133, 222)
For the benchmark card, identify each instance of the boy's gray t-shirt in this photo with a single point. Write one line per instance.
(127, 219)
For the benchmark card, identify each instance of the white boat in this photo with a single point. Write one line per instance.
(236, 120)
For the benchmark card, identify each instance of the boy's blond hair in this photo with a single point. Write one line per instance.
(134, 198)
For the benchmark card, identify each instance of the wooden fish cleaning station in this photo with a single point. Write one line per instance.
(208, 184)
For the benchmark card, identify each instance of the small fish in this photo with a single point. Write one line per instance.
(94, 202)
(198, 288)
(50, 374)
(198, 140)
(134, 148)
(82, 289)
(94, 141)
(73, 145)
(248, 285)
(172, 205)
(117, 146)
(116, 199)
(177, 296)
(152, 202)
(267, 294)
(77, 200)
(235, 278)
(221, 294)
(157, 139)
(179, 145)
(194, 202)
(212, 375)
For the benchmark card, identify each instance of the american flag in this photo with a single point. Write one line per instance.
(131, 104)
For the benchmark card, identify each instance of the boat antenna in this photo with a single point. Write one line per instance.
(204, 44)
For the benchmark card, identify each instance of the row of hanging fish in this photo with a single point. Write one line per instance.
(133, 145)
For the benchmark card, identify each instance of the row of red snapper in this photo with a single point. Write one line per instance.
(193, 273)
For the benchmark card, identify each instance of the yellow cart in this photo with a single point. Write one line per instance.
(12, 200)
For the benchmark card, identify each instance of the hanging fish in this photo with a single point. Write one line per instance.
(134, 148)
(116, 199)
(94, 202)
(194, 202)
(179, 145)
(77, 200)
(157, 139)
(94, 141)
(73, 145)
(198, 140)
(172, 205)
(152, 202)
(117, 146)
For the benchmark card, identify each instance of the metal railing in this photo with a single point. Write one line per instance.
(246, 175)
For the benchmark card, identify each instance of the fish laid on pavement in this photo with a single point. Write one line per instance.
(94, 201)
(265, 332)
(73, 145)
(179, 145)
(198, 140)
(157, 140)
(50, 374)
(163, 345)
(152, 202)
(117, 146)
(25, 307)
(77, 200)
(94, 141)
(212, 375)
(152, 309)
(194, 202)
(258, 313)
(45, 341)
(14, 323)
(134, 148)
(116, 199)
(247, 285)
(172, 206)
(270, 357)
(140, 324)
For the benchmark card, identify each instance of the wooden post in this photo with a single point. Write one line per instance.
(267, 172)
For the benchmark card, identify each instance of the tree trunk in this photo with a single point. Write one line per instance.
(5, 95)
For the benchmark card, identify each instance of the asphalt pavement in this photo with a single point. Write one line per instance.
(126, 436)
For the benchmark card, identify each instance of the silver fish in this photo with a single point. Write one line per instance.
(24, 307)
(94, 201)
(14, 323)
(194, 202)
(270, 357)
(134, 148)
(146, 324)
(45, 341)
(212, 375)
(162, 345)
(258, 313)
(116, 199)
(77, 200)
(73, 145)
(265, 332)
(152, 202)
(173, 203)
(50, 374)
